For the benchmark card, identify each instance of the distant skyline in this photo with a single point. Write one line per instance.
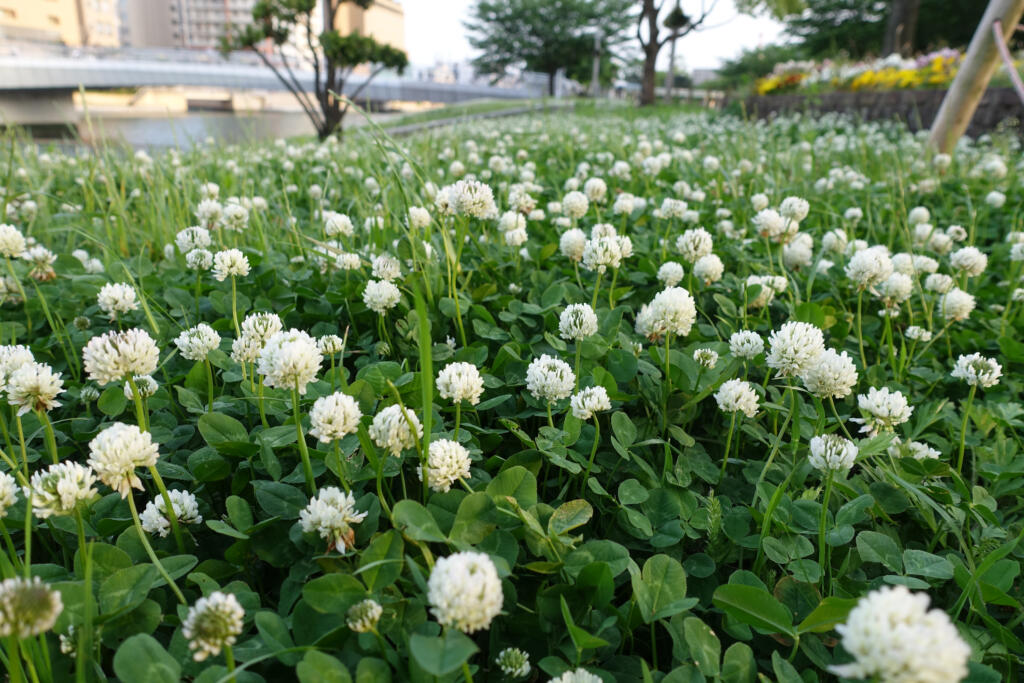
(434, 32)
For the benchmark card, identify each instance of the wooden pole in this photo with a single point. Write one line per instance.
(976, 69)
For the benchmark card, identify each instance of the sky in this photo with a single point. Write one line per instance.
(434, 32)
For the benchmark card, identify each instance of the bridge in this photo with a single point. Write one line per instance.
(34, 86)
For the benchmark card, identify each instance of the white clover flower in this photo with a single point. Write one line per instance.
(347, 261)
(8, 493)
(447, 462)
(41, 260)
(895, 289)
(460, 382)
(337, 224)
(12, 242)
(334, 416)
(745, 344)
(794, 208)
(894, 638)
(575, 204)
(113, 356)
(580, 675)
(1017, 252)
(330, 344)
(115, 452)
(977, 370)
(385, 267)
(261, 326)
(34, 386)
(919, 215)
(769, 223)
(799, 251)
(832, 375)
(589, 401)
(464, 591)
(672, 311)
(708, 269)
(290, 360)
(196, 342)
(331, 514)
(602, 253)
(917, 333)
(209, 212)
(957, 233)
(419, 218)
(192, 238)
(213, 623)
(595, 189)
(794, 348)
(940, 283)
(391, 429)
(883, 410)
(115, 299)
(236, 217)
(624, 204)
(869, 267)
(694, 243)
(155, 520)
(759, 201)
(473, 198)
(381, 295)
(706, 358)
(832, 453)
(246, 349)
(513, 662)
(572, 243)
(735, 395)
(28, 607)
(549, 379)
(835, 241)
(914, 449)
(995, 199)
(956, 305)
(516, 238)
(670, 273)
(199, 259)
(363, 616)
(577, 321)
(969, 260)
(59, 489)
(230, 262)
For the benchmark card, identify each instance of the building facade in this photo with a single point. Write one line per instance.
(94, 23)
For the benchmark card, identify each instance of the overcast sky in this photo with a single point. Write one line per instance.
(434, 32)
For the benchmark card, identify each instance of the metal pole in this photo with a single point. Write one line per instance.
(976, 69)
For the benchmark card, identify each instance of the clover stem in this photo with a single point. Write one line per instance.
(963, 429)
(149, 550)
(307, 467)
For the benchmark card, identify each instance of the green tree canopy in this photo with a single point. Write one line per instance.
(331, 55)
(546, 35)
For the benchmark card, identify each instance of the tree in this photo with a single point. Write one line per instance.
(545, 35)
(860, 28)
(280, 25)
(680, 24)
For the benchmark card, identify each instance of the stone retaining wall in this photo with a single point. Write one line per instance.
(917, 107)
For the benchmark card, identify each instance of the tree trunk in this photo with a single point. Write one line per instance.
(649, 12)
(551, 82)
(647, 85)
(670, 77)
(901, 28)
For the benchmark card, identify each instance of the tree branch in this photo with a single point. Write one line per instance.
(316, 60)
(295, 80)
(362, 87)
(291, 88)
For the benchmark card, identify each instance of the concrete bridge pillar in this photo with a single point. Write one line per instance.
(37, 107)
